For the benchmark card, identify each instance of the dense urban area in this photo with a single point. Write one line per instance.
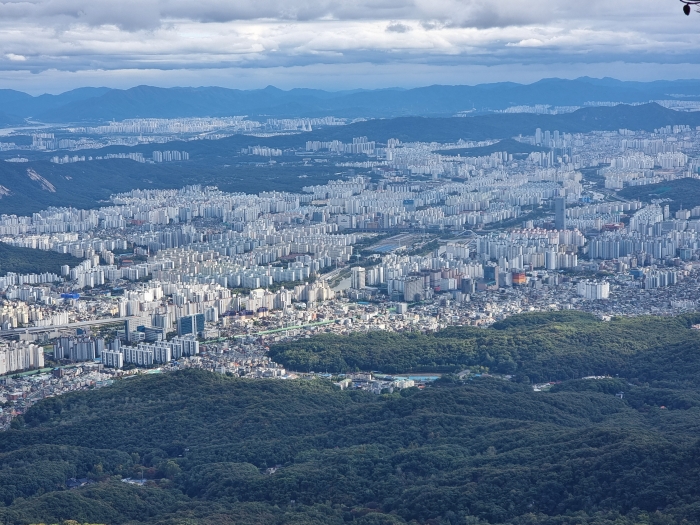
(349, 263)
(449, 305)
(410, 237)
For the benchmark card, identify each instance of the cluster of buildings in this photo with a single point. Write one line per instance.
(169, 156)
(66, 159)
(133, 132)
(144, 346)
(380, 384)
(21, 355)
(148, 354)
(431, 236)
(174, 126)
(434, 237)
(19, 392)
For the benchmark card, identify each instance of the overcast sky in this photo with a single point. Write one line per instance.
(55, 45)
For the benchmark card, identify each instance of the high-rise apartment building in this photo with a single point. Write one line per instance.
(357, 280)
(560, 213)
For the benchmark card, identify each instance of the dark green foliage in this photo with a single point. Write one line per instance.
(28, 260)
(544, 318)
(46, 468)
(226, 450)
(682, 192)
(543, 347)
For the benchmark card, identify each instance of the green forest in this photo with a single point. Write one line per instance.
(534, 347)
(27, 260)
(215, 449)
(681, 192)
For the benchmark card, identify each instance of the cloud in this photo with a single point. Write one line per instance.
(134, 15)
(257, 35)
(398, 27)
(129, 15)
(528, 42)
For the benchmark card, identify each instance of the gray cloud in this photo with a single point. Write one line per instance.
(398, 27)
(143, 14)
(181, 35)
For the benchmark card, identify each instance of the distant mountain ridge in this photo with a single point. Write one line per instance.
(26, 106)
(102, 104)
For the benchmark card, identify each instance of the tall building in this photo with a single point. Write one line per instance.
(190, 324)
(184, 346)
(357, 280)
(560, 213)
(20, 356)
(593, 290)
(129, 328)
(112, 359)
(139, 356)
(491, 273)
(414, 289)
(81, 348)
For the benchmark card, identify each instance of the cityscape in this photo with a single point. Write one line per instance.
(427, 237)
(349, 263)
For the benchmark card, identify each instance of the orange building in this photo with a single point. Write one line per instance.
(519, 278)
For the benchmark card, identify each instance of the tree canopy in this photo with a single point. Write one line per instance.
(215, 449)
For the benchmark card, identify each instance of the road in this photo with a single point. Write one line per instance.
(69, 326)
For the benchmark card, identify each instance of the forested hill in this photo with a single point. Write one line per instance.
(681, 193)
(28, 260)
(218, 449)
(534, 347)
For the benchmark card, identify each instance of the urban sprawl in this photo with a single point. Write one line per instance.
(425, 237)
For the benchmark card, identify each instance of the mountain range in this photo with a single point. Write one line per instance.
(102, 104)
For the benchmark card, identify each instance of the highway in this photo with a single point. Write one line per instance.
(69, 326)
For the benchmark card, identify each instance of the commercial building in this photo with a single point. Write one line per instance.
(190, 324)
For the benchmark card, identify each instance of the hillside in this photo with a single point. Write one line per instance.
(28, 260)
(685, 192)
(89, 184)
(534, 347)
(501, 126)
(510, 145)
(478, 451)
(10, 120)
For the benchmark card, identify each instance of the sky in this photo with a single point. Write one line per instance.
(50, 46)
